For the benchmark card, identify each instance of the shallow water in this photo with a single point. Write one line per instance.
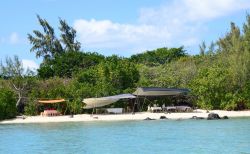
(161, 136)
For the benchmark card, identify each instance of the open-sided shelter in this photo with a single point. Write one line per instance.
(155, 91)
(50, 112)
(147, 92)
(103, 101)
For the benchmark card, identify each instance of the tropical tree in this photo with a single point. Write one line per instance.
(69, 63)
(48, 46)
(112, 76)
(68, 37)
(45, 44)
(17, 76)
(159, 56)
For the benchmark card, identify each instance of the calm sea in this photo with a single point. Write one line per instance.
(152, 137)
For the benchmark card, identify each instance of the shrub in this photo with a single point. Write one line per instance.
(30, 109)
(7, 104)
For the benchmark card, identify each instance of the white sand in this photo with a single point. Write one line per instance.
(120, 117)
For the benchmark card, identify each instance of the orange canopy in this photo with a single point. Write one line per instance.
(51, 101)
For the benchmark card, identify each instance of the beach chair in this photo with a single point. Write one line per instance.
(183, 108)
(170, 109)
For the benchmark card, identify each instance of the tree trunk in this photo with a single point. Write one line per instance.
(19, 101)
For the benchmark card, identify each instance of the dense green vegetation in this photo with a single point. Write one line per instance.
(159, 56)
(7, 105)
(219, 77)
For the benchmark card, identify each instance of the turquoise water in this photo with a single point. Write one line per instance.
(152, 137)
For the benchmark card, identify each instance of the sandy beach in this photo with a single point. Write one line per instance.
(122, 117)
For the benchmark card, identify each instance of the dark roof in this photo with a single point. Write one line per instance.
(156, 91)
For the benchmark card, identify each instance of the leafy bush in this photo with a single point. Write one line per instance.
(74, 107)
(31, 109)
(7, 104)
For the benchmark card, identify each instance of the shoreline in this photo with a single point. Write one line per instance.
(124, 117)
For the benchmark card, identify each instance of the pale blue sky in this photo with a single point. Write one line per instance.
(122, 27)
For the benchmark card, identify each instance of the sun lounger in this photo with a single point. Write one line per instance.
(156, 109)
(183, 109)
(169, 109)
(114, 110)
